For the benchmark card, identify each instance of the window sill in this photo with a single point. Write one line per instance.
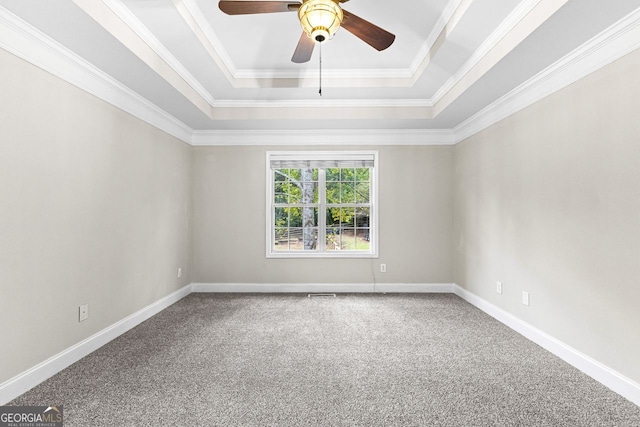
(322, 255)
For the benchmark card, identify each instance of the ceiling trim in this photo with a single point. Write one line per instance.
(326, 103)
(620, 39)
(195, 19)
(324, 137)
(522, 10)
(23, 40)
(143, 32)
(105, 15)
(513, 34)
(445, 25)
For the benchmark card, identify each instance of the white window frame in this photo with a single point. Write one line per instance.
(322, 155)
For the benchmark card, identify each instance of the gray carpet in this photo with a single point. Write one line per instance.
(355, 360)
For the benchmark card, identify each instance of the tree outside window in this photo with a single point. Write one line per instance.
(320, 205)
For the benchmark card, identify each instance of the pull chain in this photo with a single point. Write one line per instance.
(320, 91)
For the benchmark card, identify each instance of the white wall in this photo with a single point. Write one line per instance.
(415, 201)
(548, 201)
(94, 209)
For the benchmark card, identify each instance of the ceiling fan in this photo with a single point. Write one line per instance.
(320, 19)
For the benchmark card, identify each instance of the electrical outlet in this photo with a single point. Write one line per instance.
(83, 312)
(525, 297)
(383, 268)
(179, 272)
(499, 287)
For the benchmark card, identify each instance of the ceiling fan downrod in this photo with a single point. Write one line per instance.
(320, 56)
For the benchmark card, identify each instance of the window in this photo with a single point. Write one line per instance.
(322, 204)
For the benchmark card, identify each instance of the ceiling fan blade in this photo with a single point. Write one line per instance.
(371, 34)
(251, 7)
(303, 50)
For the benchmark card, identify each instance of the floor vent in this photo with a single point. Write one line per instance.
(321, 295)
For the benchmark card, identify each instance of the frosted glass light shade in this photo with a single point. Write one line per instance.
(320, 19)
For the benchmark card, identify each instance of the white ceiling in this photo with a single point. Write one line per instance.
(212, 71)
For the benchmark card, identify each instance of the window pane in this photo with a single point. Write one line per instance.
(332, 242)
(333, 174)
(295, 239)
(362, 217)
(333, 217)
(362, 192)
(347, 174)
(281, 242)
(347, 239)
(309, 216)
(363, 238)
(303, 239)
(347, 217)
(310, 239)
(347, 192)
(333, 192)
(280, 193)
(307, 174)
(295, 193)
(362, 174)
(294, 175)
(281, 217)
(308, 192)
(281, 174)
(295, 217)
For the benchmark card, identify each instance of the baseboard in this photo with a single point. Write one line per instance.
(323, 287)
(25, 381)
(617, 382)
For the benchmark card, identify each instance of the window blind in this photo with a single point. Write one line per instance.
(315, 161)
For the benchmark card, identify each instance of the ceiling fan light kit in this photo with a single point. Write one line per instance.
(320, 19)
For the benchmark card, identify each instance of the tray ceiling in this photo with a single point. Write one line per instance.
(215, 72)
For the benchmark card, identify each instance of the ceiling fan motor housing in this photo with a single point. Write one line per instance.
(320, 19)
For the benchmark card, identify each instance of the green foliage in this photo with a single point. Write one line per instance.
(288, 187)
(343, 186)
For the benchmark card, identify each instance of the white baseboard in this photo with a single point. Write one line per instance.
(25, 381)
(324, 287)
(617, 382)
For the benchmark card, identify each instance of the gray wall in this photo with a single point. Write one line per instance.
(97, 207)
(548, 201)
(415, 199)
(94, 208)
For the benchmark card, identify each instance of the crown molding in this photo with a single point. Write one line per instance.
(326, 103)
(522, 10)
(23, 40)
(123, 12)
(445, 25)
(324, 137)
(200, 26)
(105, 16)
(621, 38)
